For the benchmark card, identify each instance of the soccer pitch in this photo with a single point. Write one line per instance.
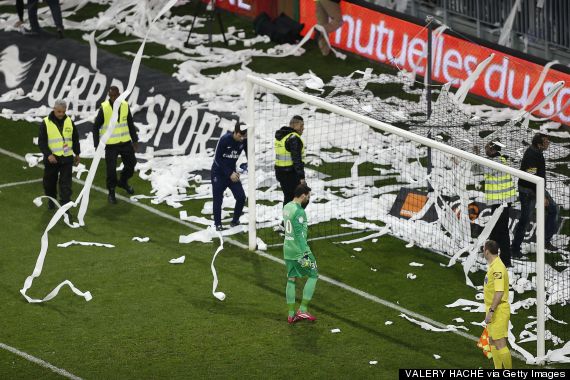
(152, 319)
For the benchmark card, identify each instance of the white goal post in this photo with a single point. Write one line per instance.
(275, 87)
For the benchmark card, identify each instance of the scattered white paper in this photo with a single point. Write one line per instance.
(387, 323)
(414, 264)
(203, 236)
(194, 219)
(140, 239)
(427, 326)
(179, 260)
(437, 357)
(85, 243)
(373, 362)
(374, 269)
(334, 331)
(472, 306)
(261, 245)
(411, 276)
(314, 83)
(458, 320)
(357, 249)
(219, 295)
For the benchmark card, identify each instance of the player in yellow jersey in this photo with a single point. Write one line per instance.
(497, 308)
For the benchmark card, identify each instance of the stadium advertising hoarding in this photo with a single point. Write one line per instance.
(45, 69)
(507, 79)
(411, 203)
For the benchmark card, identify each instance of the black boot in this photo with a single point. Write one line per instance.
(111, 197)
(129, 189)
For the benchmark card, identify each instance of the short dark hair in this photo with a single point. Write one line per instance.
(492, 246)
(296, 118)
(302, 189)
(240, 128)
(114, 89)
(493, 145)
(538, 138)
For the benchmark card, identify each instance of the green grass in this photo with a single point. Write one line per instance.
(151, 319)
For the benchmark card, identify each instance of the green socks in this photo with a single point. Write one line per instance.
(290, 297)
(308, 292)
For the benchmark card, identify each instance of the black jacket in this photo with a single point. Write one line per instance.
(293, 145)
(533, 162)
(99, 123)
(43, 139)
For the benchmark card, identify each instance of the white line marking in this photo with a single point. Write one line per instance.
(40, 362)
(20, 183)
(324, 278)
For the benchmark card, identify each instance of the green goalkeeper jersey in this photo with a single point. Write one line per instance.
(295, 220)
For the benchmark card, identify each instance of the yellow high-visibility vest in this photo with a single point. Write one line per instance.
(499, 187)
(282, 155)
(121, 131)
(60, 143)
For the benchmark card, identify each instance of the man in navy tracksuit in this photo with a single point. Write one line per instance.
(224, 173)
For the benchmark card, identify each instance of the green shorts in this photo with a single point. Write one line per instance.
(304, 267)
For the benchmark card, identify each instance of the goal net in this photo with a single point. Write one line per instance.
(370, 178)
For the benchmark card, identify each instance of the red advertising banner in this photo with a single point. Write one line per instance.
(249, 8)
(507, 79)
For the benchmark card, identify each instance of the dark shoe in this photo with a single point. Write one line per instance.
(234, 224)
(127, 188)
(220, 228)
(549, 247)
(111, 197)
(60, 33)
(29, 32)
(51, 205)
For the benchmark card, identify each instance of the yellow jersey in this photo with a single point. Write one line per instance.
(496, 280)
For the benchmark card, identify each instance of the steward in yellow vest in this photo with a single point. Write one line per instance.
(290, 157)
(122, 141)
(499, 189)
(58, 140)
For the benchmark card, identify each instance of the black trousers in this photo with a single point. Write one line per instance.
(288, 181)
(53, 172)
(501, 235)
(220, 182)
(127, 153)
